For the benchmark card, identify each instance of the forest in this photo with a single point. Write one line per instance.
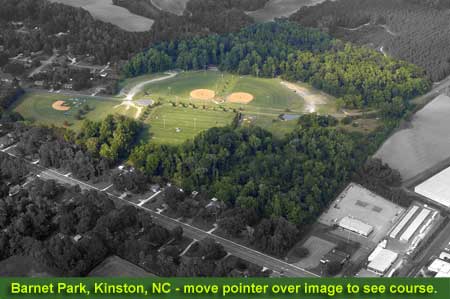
(248, 168)
(358, 76)
(411, 30)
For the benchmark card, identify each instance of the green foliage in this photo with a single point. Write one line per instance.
(292, 178)
(111, 138)
(359, 76)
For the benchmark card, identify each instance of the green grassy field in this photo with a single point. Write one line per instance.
(37, 108)
(170, 124)
(164, 121)
(271, 98)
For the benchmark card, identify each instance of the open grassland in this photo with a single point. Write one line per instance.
(173, 125)
(37, 108)
(105, 11)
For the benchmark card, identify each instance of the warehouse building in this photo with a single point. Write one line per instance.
(414, 226)
(403, 222)
(437, 188)
(382, 260)
(356, 226)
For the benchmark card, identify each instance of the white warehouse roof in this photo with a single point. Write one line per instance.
(404, 221)
(356, 226)
(437, 188)
(383, 260)
(414, 226)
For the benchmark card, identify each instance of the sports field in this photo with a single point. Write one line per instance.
(186, 104)
(261, 101)
(39, 108)
(173, 125)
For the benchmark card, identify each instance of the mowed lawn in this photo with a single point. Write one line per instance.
(181, 86)
(271, 98)
(37, 108)
(165, 120)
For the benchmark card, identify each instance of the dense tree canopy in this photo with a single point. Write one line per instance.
(361, 77)
(249, 168)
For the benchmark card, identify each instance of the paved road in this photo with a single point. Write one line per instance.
(192, 232)
(73, 94)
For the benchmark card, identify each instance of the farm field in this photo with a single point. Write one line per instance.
(114, 266)
(38, 108)
(423, 144)
(173, 125)
(174, 6)
(280, 8)
(105, 11)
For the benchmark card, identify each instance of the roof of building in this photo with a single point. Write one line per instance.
(356, 225)
(335, 255)
(437, 188)
(444, 256)
(442, 268)
(383, 260)
(415, 224)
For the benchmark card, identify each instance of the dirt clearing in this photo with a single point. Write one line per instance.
(203, 94)
(312, 100)
(240, 98)
(60, 106)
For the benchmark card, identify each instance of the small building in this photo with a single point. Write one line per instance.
(68, 86)
(39, 83)
(6, 78)
(14, 190)
(335, 256)
(444, 256)
(356, 226)
(382, 261)
(155, 188)
(440, 267)
(77, 238)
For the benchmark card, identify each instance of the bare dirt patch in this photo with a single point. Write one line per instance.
(240, 98)
(312, 100)
(203, 94)
(60, 106)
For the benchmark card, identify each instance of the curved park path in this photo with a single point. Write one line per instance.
(140, 86)
(129, 96)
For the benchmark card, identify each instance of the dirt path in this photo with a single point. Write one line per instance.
(311, 100)
(139, 87)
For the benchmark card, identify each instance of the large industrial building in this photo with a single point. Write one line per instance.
(437, 188)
